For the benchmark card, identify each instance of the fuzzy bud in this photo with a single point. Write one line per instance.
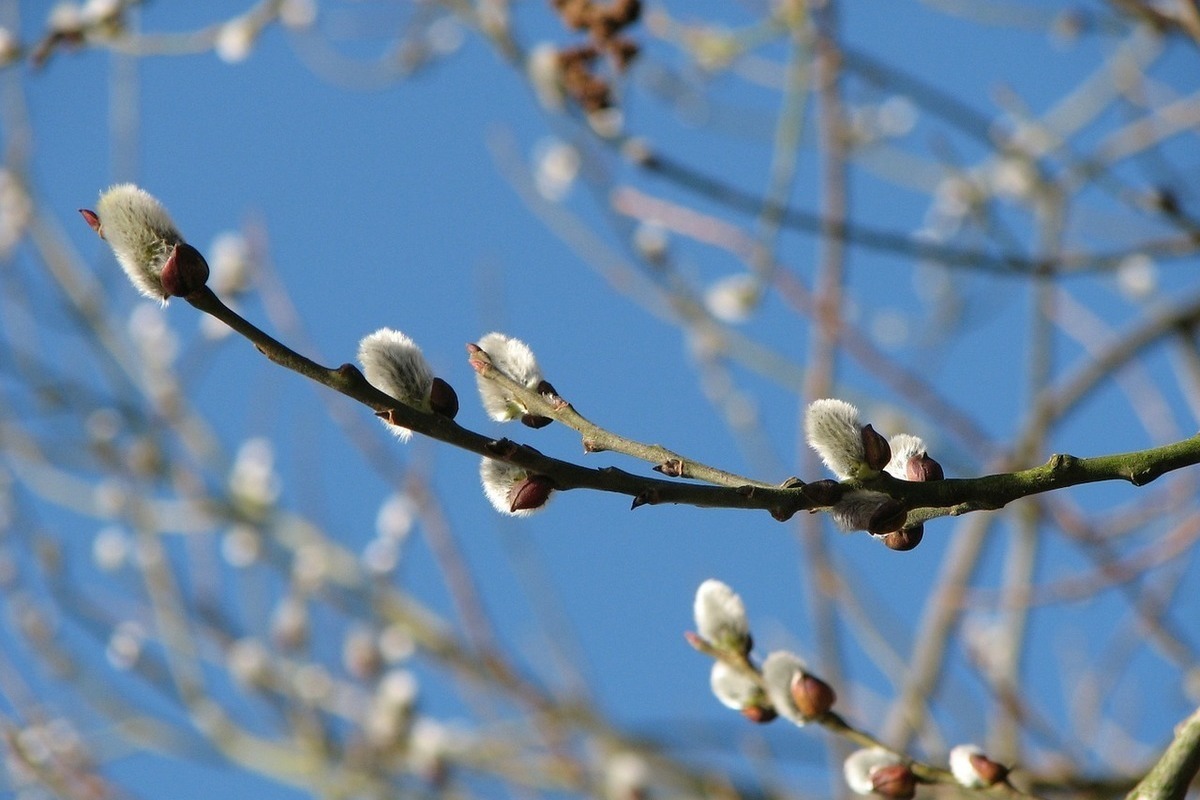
(865, 510)
(862, 766)
(514, 359)
(512, 490)
(832, 428)
(721, 617)
(394, 365)
(910, 460)
(733, 688)
(146, 243)
(780, 671)
(975, 770)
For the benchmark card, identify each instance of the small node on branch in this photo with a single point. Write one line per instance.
(502, 448)
(592, 446)
(672, 468)
(1062, 462)
(649, 497)
(350, 372)
(1142, 477)
(792, 483)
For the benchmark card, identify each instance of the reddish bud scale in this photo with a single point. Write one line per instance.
(813, 696)
(443, 400)
(991, 772)
(924, 468)
(531, 493)
(92, 220)
(759, 714)
(876, 450)
(895, 780)
(905, 538)
(185, 272)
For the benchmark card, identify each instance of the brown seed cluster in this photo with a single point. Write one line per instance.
(579, 66)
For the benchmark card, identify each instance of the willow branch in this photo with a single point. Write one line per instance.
(1170, 777)
(597, 439)
(349, 381)
(926, 500)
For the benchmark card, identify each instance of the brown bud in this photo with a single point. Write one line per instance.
(535, 421)
(895, 780)
(876, 450)
(530, 493)
(672, 467)
(185, 271)
(623, 51)
(890, 516)
(813, 697)
(92, 220)
(546, 387)
(627, 11)
(905, 538)
(924, 468)
(759, 714)
(989, 771)
(443, 399)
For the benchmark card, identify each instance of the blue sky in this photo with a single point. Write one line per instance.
(391, 207)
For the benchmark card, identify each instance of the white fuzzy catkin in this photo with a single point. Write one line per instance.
(141, 234)
(731, 687)
(854, 510)
(500, 480)
(393, 363)
(832, 428)
(964, 771)
(721, 616)
(862, 764)
(778, 670)
(904, 446)
(513, 358)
